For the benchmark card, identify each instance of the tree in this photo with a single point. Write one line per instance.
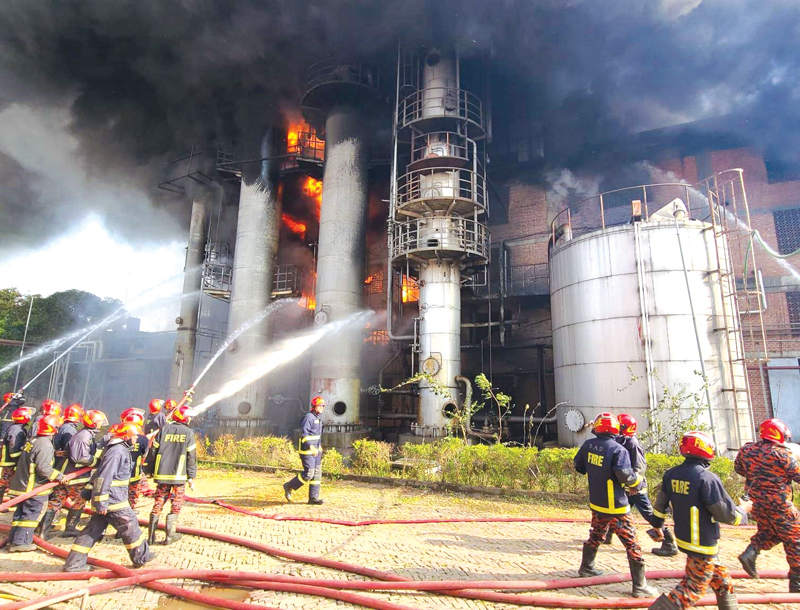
(51, 317)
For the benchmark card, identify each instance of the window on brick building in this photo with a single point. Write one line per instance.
(779, 170)
(793, 305)
(787, 230)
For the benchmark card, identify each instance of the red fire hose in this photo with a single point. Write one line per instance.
(17, 499)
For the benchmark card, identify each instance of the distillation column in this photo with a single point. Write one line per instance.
(340, 96)
(255, 251)
(336, 366)
(181, 376)
(440, 186)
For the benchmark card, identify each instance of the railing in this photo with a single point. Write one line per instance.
(217, 268)
(439, 236)
(617, 207)
(438, 144)
(424, 186)
(333, 70)
(528, 280)
(287, 281)
(440, 102)
(308, 146)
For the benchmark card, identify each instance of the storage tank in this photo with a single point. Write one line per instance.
(623, 332)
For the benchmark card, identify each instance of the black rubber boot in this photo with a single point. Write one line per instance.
(668, 547)
(748, 560)
(640, 586)
(172, 529)
(287, 492)
(315, 501)
(609, 536)
(587, 562)
(794, 583)
(664, 603)
(71, 527)
(21, 548)
(152, 528)
(727, 601)
(47, 525)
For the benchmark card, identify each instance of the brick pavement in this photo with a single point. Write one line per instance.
(428, 551)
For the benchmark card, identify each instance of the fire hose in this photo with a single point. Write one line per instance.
(120, 576)
(16, 500)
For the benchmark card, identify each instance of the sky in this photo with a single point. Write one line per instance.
(88, 256)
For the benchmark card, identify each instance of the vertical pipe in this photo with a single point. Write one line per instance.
(336, 366)
(185, 342)
(257, 235)
(24, 339)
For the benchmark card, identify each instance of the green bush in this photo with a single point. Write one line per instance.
(372, 458)
(333, 463)
(262, 450)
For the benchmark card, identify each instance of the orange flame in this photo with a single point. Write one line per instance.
(313, 188)
(308, 301)
(410, 289)
(369, 280)
(295, 226)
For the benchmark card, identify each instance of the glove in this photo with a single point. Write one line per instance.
(314, 450)
(60, 477)
(190, 482)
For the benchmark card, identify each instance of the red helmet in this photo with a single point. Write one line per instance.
(774, 430)
(22, 415)
(112, 429)
(606, 423)
(317, 401)
(132, 416)
(48, 425)
(170, 404)
(627, 424)
(94, 419)
(126, 431)
(8, 396)
(74, 413)
(51, 407)
(156, 405)
(184, 414)
(698, 444)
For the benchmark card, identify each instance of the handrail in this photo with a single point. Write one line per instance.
(414, 106)
(464, 184)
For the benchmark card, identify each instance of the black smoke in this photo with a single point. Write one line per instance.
(143, 80)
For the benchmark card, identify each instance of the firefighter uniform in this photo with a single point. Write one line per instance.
(311, 457)
(82, 452)
(13, 440)
(109, 499)
(60, 442)
(699, 504)
(769, 469)
(34, 468)
(139, 448)
(5, 412)
(155, 422)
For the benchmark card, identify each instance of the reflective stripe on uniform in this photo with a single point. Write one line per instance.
(120, 483)
(696, 548)
(136, 543)
(118, 506)
(315, 482)
(301, 479)
(24, 523)
(610, 509)
(100, 498)
(738, 519)
(192, 447)
(76, 548)
(659, 514)
(308, 439)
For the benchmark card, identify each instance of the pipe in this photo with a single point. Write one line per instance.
(16, 500)
(467, 391)
(517, 419)
(24, 338)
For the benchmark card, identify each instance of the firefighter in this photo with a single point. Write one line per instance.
(310, 454)
(72, 417)
(628, 439)
(769, 468)
(158, 416)
(699, 504)
(609, 471)
(139, 447)
(34, 468)
(13, 440)
(49, 407)
(108, 492)
(82, 452)
(11, 402)
(172, 463)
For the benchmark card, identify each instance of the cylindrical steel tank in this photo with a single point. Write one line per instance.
(440, 341)
(623, 332)
(257, 235)
(181, 376)
(336, 366)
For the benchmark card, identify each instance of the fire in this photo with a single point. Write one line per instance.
(369, 280)
(295, 226)
(292, 137)
(313, 188)
(308, 301)
(410, 289)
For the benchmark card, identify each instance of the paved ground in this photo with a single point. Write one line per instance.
(434, 551)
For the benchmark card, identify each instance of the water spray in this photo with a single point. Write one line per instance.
(280, 354)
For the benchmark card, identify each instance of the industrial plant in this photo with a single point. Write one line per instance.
(417, 186)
